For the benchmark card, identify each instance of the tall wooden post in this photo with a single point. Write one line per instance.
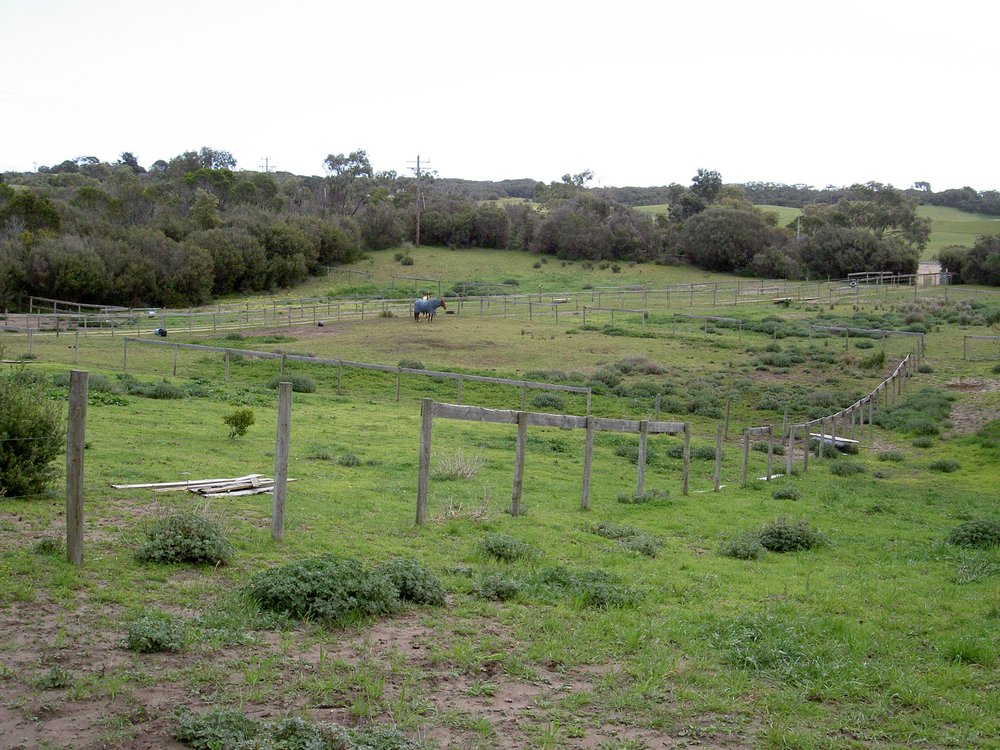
(76, 438)
(791, 450)
(687, 456)
(424, 471)
(640, 483)
(770, 452)
(522, 441)
(588, 457)
(746, 454)
(718, 457)
(281, 444)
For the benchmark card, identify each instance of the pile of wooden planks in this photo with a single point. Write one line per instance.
(251, 484)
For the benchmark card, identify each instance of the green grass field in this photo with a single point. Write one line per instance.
(884, 636)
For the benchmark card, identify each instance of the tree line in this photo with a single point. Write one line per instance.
(194, 227)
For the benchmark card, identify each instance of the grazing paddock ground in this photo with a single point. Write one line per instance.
(657, 621)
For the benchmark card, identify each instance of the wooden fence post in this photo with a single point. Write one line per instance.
(656, 408)
(822, 436)
(522, 441)
(789, 460)
(718, 457)
(76, 346)
(458, 394)
(588, 457)
(687, 456)
(807, 445)
(227, 365)
(424, 472)
(729, 403)
(640, 482)
(399, 377)
(746, 453)
(281, 460)
(770, 452)
(76, 438)
(124, 354)
(175, 360)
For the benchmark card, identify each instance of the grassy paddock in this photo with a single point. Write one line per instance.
(881, 636)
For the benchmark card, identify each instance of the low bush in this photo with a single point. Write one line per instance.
(34, 435)
(349, 459)
(506, 548)
(326, 587)
(239, 421)
(925, 368)
(155, 632)
(761, 447)
(847, 468)
(218, 729)
(49, 545)
(980, 534)
(890, 455)
(414, 582)
(496, 586)
(457, 465)
(602, 589)
(633, 539)
(945, 465)
(648, 496)
(743, 546)
(412, 364)
(185, 537)
(788, 492)
(551, 401)
(300, 383)
(923, 442)
(785, 536)
(921, 413)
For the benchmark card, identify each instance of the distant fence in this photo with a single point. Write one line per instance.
(993, 352)
(429, 410)
(341, 364)
(870, 333)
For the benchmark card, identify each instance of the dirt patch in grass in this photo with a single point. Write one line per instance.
(970, 412)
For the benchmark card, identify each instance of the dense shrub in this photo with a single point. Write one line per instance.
(648, 496)
(602, 589)
(548, 401)
(496, 586)
(239, 421)
(300, 383)
(185, 537)
(889, 455)
(946, 465)
(784, 536)
(921, 413)
(788, 492)
(412, 364)
(629, 537)
(33, 436)
(743, 546)
(325, 587)
(847, 468)
(506, 548)
(348, 459)
(414, 582)
(925, 368)
(981, 534)
(218, 729)
(923, 442)
(154, 632)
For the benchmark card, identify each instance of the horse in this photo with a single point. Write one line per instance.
(428, 307)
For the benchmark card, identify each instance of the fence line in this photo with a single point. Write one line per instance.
(965, 345)
(430, 409)
(886, 392)
(461, 378)
(847, 330)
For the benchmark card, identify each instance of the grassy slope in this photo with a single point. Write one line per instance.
(885, 637)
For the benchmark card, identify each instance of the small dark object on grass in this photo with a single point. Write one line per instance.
(981, 534)
(161, 332)
(320, 324)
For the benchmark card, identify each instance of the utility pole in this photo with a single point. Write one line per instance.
(266, 166)
(417, 170)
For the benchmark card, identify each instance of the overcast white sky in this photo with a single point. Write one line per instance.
(641, 92)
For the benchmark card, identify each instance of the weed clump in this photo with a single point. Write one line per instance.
(945, 465)
(348, 459)
(785, 536)
(894, 456)
(920, 414)
(548, 401)
(788, 492)
(457, 465)
(411, 364)
(185, 537)
(49, 545)
(981, 534)
(325, 587)
(300, 383)
(215, 729)
(56, 678)
(239, 421)
(922, 442)
(743, 546)
(414, 582)
(153, 633)
(847, 468)
(506, 548)
(629, 537)
(497, 586)
(648, 496)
